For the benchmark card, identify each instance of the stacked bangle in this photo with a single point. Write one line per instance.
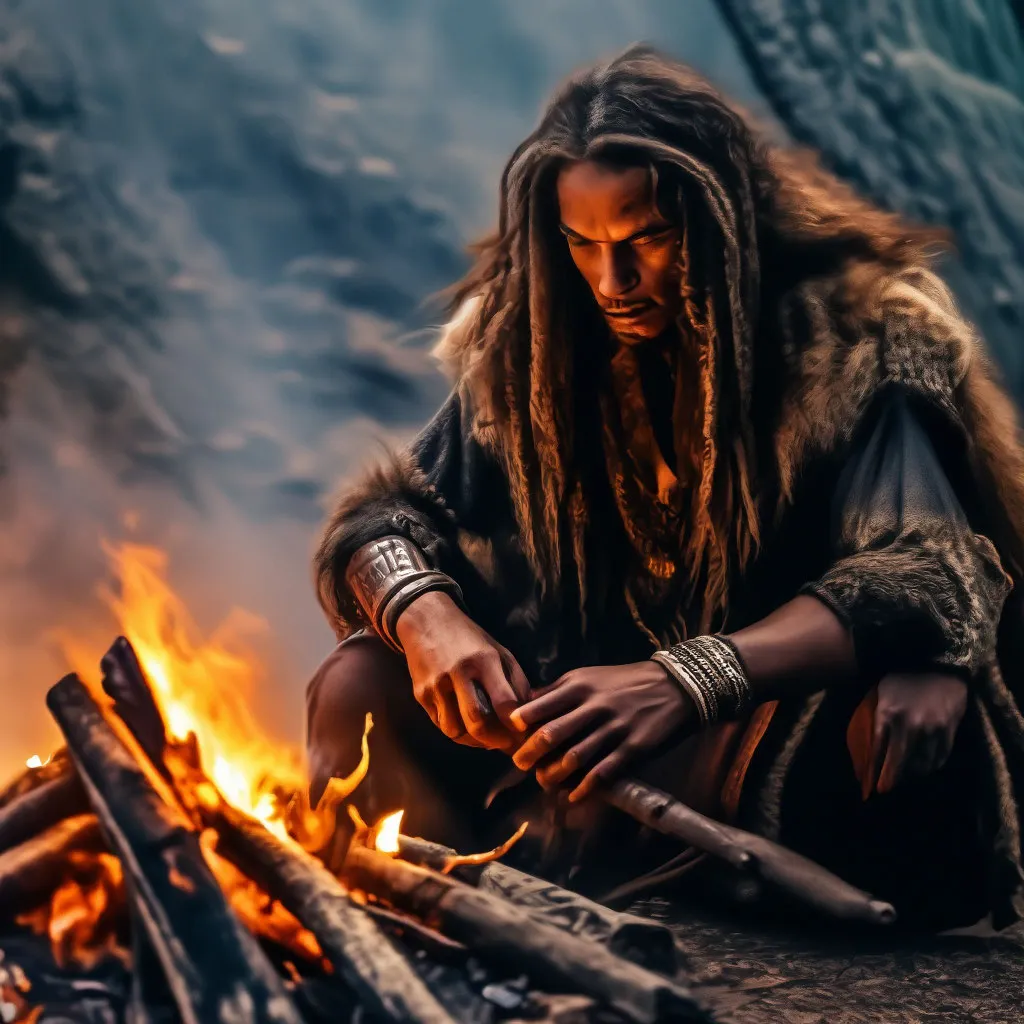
(386, 576)
(709, 669)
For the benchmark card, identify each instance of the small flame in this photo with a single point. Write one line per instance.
(35, 761)
(485, 858)
(387, 831)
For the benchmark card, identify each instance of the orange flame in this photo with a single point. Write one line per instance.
(82, 916)
(387, 831)
(203, 686)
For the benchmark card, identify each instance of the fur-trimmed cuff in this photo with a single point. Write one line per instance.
(919, 603)
(393, 499)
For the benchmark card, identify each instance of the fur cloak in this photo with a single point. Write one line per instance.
(816, 313)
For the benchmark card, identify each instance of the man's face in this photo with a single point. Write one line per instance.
(625, 249)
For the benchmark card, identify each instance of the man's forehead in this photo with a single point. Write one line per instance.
(593, 195)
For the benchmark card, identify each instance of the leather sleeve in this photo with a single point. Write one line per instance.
(919, 588)
(442, 484)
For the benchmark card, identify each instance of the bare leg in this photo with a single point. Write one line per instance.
(413, 765)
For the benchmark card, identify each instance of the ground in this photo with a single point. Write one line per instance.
(744, 973)
(749, 975)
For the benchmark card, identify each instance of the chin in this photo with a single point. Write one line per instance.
(637, 334)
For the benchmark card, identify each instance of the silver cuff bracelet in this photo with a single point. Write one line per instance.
(709, 669)
(386, 575)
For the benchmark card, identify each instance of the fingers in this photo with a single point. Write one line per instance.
(879, 749)
(516, 677)
(501, 698)
(895, 760)
(602, 774)
(554, 701)
(578, 758)
(447, 711)
(477, 709)
(552, 737)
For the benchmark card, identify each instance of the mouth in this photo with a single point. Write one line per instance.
(631, 312)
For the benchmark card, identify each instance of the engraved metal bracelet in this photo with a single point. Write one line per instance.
(388, 570)
(709, 670)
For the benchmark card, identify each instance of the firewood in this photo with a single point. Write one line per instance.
(125, 682)
(498, 930)
(645, 942)
(39, 808)
(354, 944)
(213, 966)
(150, 1000)
(30, 871)
(760, 857)
(32, 778)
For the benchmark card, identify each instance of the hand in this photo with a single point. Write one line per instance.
(463, 678)
(593, 720)
(916, 719)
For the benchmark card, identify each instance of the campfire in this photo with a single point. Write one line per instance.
(170, 836)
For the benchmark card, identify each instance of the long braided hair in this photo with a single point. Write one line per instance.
(744, 206)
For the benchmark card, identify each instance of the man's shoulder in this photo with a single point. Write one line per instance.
(865, 334)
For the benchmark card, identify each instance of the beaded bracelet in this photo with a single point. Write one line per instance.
(709, 669)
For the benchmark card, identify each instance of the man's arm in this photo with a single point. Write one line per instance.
(390, 562)
(914, 592)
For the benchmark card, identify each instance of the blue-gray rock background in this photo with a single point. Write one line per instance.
(219, 220)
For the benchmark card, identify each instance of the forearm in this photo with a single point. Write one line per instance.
(795, 650)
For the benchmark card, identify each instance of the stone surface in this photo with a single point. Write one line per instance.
(920, 104)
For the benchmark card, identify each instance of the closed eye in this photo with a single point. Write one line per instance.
(654, 236)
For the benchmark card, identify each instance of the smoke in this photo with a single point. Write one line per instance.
(223, 217)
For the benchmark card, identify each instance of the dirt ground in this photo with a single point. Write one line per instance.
(749, 974)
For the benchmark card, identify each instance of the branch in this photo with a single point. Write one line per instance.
(506, 934)
(793, 873)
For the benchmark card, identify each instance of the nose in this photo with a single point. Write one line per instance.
(619, 275)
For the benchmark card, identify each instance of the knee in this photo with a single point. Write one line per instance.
(361, 676)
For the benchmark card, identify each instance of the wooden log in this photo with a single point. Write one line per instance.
(635, 938)
(40, 808)
(350, 939)
(125, 682)
(354, 944)
(150, 1000)
(32, 778)
(30, 871)
(214, 967)
(763, 859)
(497, 930)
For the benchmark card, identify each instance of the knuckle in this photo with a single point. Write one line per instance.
(544, 737)
(464, 664)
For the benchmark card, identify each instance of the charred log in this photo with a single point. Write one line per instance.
(508, 935)
(40, 808)
(354, 944)
(124, 681)
(31, 778)
(213, 966)
(29, 872)
(635, 938)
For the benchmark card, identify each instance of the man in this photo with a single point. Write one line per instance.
(724, 496)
